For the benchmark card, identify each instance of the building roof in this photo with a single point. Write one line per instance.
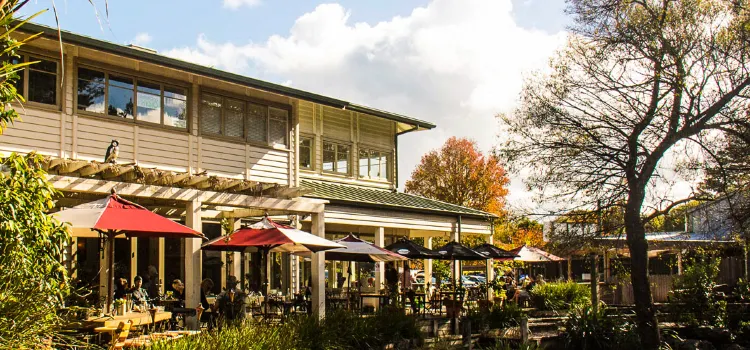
(678, 237)
(153, 57)
(386, 199)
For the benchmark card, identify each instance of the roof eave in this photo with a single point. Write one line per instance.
(486, 216)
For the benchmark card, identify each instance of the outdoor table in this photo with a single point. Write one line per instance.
(138, 318)
(336, 302)
(382, 299)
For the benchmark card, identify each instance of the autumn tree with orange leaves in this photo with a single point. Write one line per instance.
(460, 174)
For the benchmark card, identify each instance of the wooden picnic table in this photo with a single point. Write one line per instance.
(138, 318)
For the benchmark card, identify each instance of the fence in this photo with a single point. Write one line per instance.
(660, 287)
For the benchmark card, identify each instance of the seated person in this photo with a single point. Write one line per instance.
(522, 294)
(178, 292)
(139, 294)
(121, 288)
(208, 309)
(231, 305)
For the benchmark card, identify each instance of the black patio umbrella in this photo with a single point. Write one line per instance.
(455, 251)
(411, 250)
(492, 252)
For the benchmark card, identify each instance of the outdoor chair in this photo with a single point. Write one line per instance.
(120, 335)
(436, 303)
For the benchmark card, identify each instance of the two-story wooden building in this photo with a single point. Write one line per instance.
(203, 146)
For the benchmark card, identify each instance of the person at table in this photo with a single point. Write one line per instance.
(208, 314)
(121, 288)
(179, 292)
(231, 306)
(139, 294)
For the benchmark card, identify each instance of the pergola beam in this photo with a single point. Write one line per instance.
(104, 187)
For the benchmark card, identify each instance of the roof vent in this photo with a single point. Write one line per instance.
(141, 48)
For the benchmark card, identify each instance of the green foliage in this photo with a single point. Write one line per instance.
(31, 245)
(497, 317)
(743, 289)
(338, 330)
(561, 295)
(589, 329)
(693, 293)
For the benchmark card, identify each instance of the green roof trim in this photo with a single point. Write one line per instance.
(97, 44)
(386, 199)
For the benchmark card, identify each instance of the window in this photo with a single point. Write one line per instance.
(131, 98)
(335, 158)
(254, 122)
(37, 82)
(374, 164)
(306, 153)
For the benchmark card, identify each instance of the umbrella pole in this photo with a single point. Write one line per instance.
(111, 270)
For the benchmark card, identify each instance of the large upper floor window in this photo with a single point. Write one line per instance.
(374, 164)
(240, 119)
(38, 81)
(131, 98)
(306, 153)
(335, 158)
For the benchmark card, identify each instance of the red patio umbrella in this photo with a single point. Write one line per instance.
(269, 236)
(113, 216)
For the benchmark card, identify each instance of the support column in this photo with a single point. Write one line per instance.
(104, 265)
(286, 273)
(570, 268)
(456, 268)
(379, 266)
(317, 261)
(133, 259)
(679, 262)
(427, 267)
(607, 267)
(489, 273)
(193, 263)
(294, 274)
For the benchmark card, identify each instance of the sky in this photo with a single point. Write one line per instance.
(455, 63)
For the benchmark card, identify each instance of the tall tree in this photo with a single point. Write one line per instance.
(460, 174)
(638, 81)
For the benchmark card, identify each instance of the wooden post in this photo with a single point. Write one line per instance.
(594, 282)
(466, 333)
(161, 254)
(317, 261)
(427, 268)
(570, 268)
(133, 259)
(193, 261)
(490, 272)
(105, 264)
(524, 330)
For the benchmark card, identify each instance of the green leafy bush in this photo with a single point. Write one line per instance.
(693, 297)
(589, 329)
(338, 330)
(560, 296)
(497, 317)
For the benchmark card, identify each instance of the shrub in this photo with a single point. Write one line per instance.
(498, 317)
(589, 329)
(338, 330)
(693, 293)
(560, 295)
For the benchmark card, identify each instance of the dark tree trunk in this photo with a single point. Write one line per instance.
(648, 329)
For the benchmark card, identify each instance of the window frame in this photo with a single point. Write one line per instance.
(337, 143)
(137, 77)
(246, 101)
(24, 74)
(388, 166)
(312, 166)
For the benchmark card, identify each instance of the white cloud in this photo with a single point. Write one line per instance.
(142, 39)
(235, 4)
(456, 63)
